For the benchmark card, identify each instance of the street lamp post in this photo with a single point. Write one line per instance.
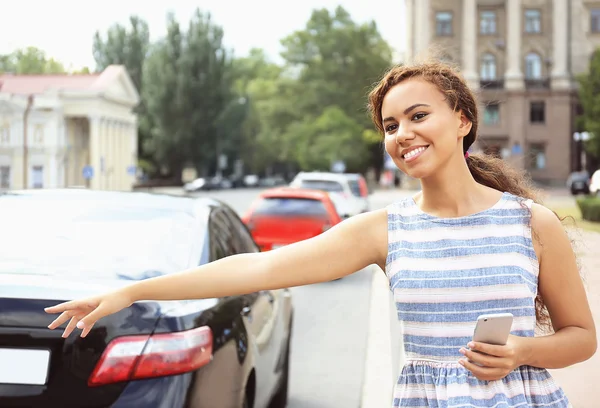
(580, 138)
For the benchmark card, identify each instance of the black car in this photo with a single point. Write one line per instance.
(579, 182)
(57, 245)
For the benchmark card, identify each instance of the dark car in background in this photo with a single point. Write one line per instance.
(65, 244)
(579, 182)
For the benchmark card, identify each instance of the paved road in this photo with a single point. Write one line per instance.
(330, 327)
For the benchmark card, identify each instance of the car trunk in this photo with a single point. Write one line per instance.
(38, 368)
(273, 231)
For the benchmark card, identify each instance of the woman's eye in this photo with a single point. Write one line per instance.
(419, 116)
(391, 128)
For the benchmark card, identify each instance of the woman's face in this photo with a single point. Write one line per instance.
(422, 133)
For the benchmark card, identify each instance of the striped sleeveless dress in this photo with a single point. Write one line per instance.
(444, 273)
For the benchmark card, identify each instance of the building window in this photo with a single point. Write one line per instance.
(488, 67)
(533, 21)
(536, 156)
(443, 23)
(595, 21)
(537, 112)
(491, 114)
(487, 22)
(37, 179)
(533, 66)
(38, 134)
(4, 177)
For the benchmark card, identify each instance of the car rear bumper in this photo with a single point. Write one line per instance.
(180, 391)
(163, 392)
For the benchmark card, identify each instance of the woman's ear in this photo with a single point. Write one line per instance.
(465, 125)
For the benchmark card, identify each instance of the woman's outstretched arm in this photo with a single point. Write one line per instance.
(344, 249)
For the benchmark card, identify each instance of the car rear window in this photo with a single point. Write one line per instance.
(95, 239)
(290, 207)
(354, 187)
(323, 185)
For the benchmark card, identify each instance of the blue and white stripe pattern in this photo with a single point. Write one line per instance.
(444, 273)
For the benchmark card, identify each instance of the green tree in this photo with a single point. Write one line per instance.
(82, 71)
(589, 97)
(331, 137)
(30, 60)
(336, 61)
(256, 83)
(126, 46)
(160, 92)
(188, 86)
(7, 63)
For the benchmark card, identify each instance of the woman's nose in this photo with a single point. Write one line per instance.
(404, 133)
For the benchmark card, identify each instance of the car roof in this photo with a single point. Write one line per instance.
(293, 192)
(322, 176)
(197, 206)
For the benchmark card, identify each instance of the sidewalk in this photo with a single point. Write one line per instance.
(580, 382)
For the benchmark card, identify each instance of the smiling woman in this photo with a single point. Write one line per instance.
(448, 265)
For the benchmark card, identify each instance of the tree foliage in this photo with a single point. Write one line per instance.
(336, 61)
(188, 88)
(589, 97)
(28, 61)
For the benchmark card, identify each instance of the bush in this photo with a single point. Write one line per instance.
(590, 208)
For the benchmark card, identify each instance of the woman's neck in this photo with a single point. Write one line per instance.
(455, 193)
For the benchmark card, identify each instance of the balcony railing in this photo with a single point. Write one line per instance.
(491, 83)
(537, 83)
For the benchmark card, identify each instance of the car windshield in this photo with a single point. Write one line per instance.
(98, 239)
(283, 206)
(323, 185)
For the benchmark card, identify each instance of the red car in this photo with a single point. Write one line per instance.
(282, 216)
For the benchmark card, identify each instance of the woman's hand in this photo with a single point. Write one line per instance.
(496, 362)
(84, 313)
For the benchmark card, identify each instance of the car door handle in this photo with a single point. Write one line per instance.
(246, 311)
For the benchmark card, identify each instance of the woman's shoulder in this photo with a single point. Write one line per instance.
(543, 219)
(401, 206)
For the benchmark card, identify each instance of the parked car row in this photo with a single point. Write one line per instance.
(211, 353)
(223, 183)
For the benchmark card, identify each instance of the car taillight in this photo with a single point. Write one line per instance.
(146, 356)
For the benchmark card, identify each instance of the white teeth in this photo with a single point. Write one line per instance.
(414, 152)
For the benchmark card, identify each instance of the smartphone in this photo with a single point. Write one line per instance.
(493, 328)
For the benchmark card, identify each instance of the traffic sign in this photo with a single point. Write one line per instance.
(88, 172)
(338, 167)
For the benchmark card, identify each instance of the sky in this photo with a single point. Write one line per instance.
(64, 29)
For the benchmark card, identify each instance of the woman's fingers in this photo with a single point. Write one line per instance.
(64, 316)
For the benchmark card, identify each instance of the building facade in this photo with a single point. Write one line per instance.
(68, 131)
(521, 57)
